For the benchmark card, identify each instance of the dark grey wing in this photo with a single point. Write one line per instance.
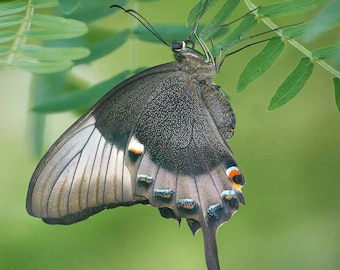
(87, 169)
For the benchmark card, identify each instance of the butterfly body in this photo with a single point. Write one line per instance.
(157, 138)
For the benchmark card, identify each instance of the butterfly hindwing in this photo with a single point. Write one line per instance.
(158, 138)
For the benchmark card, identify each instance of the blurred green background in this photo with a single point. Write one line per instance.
(290, 157)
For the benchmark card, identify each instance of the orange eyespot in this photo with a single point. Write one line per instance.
(228, 194)
(163, 194)
(186, 204)
(232, 172)
(136, 151)
(229, 197)
(135, 146)
(144, 179)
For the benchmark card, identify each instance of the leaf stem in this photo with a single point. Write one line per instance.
(20, 36)
(293, 42)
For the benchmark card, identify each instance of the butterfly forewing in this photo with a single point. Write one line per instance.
(87, 166)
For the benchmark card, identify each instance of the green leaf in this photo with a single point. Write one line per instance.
(4, 50)
(12, 7)
(50, 21)
(234, 37)
(289, 7)
(337, 57)
(292, 84)
(90, 10)
(326, 52)
(337, 92)
(198, 10)
(68, 6)
(171, 32)
(56, 54)
(328, 18)
(296, 31)
(260, 63)
(44, 3)
(43, 67)
(82, 99)
(53, 27)
(226, 10)
(10, 20)
(104, 47)
(6, 36)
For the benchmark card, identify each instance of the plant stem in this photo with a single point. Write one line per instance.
(20, 36)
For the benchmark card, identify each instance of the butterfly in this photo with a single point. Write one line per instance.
(157, 138)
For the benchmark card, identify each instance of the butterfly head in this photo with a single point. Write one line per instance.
(192, 60)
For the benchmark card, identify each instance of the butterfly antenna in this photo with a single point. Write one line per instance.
(143, 21)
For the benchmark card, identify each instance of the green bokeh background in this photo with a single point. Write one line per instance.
(290, 157)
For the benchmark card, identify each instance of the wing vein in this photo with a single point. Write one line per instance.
(63, 170)
(91, 176)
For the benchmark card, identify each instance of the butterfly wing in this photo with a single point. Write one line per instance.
(157, 138)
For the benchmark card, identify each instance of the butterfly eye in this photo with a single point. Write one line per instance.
(177, 46)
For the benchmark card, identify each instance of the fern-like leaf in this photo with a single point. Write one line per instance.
(293, 84)
(260, 63)
(299, 76)
(17, 48)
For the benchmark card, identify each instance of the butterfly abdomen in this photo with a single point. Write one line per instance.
(219, 109)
